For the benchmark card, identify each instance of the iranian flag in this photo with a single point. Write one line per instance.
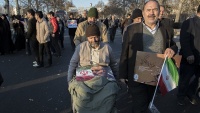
(169, 77)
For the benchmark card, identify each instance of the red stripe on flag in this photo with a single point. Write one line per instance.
(163, 88)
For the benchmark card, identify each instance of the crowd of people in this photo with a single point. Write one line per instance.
(144, 30)
(37, 33)
(18, 32)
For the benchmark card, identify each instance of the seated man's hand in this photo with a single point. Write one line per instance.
(123, 81)
(123, 84)
(98, 70)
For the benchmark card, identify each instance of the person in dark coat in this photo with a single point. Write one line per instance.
(136, 38)
(2, 36)
(106, 23)
(71, 32)
(137, 16)
(31, 36)
(112, 28)
(28, 46)
(165, 21)
(127, 21)
(19, 33)
(190, 62)
(62, 29)
(84, 16)
(1, 79)
(9, 46)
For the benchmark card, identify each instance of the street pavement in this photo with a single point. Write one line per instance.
(44, 90)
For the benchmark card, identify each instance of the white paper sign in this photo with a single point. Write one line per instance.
(72, 23)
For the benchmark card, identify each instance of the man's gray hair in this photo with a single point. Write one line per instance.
(150, 1)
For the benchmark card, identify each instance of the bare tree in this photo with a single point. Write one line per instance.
(184, 5)
(57, 4)
(7, 7)
(37, 3)
(127, 6)
(68, 5)
(162, 2)
(112, 10)
(46, 3)
(29, 4)
(17, 7)
(190, 6)
(100, 4)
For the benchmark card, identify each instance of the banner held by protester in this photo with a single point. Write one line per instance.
(148, 67)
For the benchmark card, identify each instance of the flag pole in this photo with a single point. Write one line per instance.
(157, 83)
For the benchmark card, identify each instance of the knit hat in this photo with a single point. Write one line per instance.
(92, 30)
(93, 12)
(136, 13)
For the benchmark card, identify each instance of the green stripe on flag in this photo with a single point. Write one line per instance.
(173, 70)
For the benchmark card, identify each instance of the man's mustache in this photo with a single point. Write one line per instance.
(151, 16)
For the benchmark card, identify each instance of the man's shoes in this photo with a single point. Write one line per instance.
(192, 99)
(34, 62)
(37, 66)
(27, 53)
(181, 101)
(47, 66)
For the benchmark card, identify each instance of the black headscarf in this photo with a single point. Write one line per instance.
(6, 22)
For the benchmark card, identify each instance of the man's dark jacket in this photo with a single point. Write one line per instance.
(31, 34)
(82, 19)
(189, 35)
(133, 42)
(167, 22)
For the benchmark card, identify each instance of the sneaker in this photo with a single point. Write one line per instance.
(35, 65)
(192, 100)
(34, 62)
(181, 101)
(27, 53)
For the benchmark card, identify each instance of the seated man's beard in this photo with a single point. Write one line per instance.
(92, 22)
(94, 44)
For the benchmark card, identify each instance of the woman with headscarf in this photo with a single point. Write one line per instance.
(2, 37)
(8, 44)
(19, 33)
